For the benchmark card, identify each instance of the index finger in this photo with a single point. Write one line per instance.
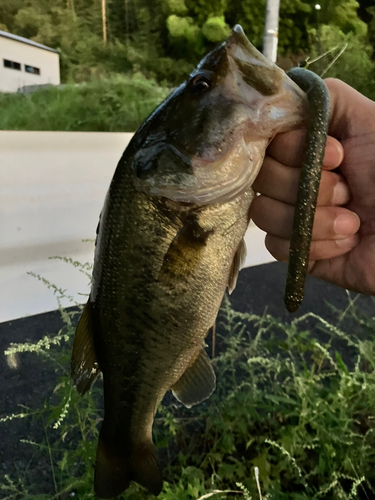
(288, 148)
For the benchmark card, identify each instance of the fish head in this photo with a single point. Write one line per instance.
(205, 144)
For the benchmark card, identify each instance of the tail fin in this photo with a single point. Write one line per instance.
(116, 466)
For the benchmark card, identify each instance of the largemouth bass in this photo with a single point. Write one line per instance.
(169, 242)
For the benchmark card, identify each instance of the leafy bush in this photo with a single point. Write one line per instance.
(285, 403)
(354, 66)
(116, 104)
(215, 29)
(179, 30)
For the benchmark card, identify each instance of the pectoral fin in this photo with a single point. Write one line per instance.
(84, 367)
(185, 251)
(237, 264)
(197, 383)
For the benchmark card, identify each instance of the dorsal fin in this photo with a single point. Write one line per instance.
(238, 261)
(197, 383)
(84, 367)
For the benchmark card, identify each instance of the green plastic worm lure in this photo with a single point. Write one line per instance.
(317, 129)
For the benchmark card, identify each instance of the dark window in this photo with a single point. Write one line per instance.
(31, 69)
(11, 64)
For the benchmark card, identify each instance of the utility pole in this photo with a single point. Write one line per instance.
(317, 8)
(271, 30)
(104, 20)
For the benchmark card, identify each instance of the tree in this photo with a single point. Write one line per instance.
(366, 11)
(166, 38)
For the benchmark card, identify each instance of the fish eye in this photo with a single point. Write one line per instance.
(200, 83)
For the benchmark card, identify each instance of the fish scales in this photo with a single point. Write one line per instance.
(162, 316)
(169, 242)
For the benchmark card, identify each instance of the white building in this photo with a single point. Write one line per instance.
(24, 62)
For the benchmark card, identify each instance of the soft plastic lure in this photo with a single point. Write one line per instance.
(308, 187)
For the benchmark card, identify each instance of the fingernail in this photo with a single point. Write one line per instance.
(346, 243)
(334, 153)
(341, 194)
(346, 224)
(339, 152)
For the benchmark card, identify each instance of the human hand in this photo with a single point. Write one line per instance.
(343, 241)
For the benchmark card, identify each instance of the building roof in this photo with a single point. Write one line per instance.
(25, 40)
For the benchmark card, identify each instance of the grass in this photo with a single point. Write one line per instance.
(116, 104)
(286, 404)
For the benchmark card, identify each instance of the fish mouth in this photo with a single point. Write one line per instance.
(257, 71)
(209, 182)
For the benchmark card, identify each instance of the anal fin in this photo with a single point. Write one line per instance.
(84, 367)
(197, 383)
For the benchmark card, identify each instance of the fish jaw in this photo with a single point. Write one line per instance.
(218, 181)
(284, 104)
(213, 144)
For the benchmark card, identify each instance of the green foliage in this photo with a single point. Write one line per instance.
(295, 18)
(371, 26)
(185, 35)
(215, 29)
(116, 104)
(354, 66)
(181, 26)
(57, 26)
(204, 9)
(343, 14)
(287, 404)
(164, 39)
(177, 7)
